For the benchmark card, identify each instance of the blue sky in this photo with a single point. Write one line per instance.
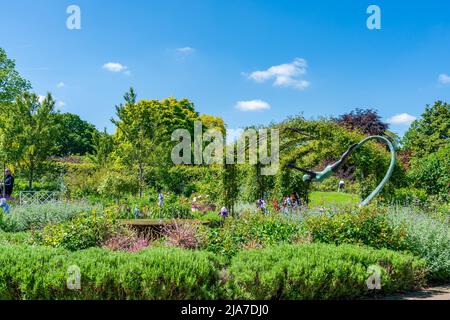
(281, 57)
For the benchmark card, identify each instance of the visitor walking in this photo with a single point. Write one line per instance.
(341, 185)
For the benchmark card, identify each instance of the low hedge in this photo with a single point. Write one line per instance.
(319, 271)
(159, 273)
(316, 271)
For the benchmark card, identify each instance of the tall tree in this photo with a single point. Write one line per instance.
(135, 133)
(11, 83)
(366, 121)
(29, 131)
(431, 132)
(76, 135)
(103, 144)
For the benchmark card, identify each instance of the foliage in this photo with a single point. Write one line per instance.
(432, 173)
(136, 130)
(431, 132)
(11, 83)
(103, 147)
(331, 185)
(81, 178)
(319, 271)
(250, 228)
(75, 135)
(37, 216)
(117, 185)
(427, 237)
(28, 132)
(85, 231)
(367, 121)
(15, 237)
(365, 226)
(408, 196)
(150, 274)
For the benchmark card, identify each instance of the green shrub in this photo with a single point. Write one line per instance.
(85, 231)
(251, 229)
(319, 271)
(366, 226)
(173, 208)
(432, 172)
(408, 196)
(15, 237)
(37, 216)
(214, 219)
(426, 237)
(158, 273)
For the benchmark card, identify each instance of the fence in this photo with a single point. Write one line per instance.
(38, 197)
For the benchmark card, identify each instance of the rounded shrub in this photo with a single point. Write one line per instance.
(319, 271)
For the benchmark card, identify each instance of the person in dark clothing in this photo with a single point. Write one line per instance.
(9, 184)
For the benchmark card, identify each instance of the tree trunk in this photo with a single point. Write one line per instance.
(30, 179)
(141, 178)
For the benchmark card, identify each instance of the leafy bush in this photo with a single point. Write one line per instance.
(37, 216)
(84, 231)
(426, 237)
(173, 208)
(319, 271)
(432, 173)
(408, 196)
(214, 219)
(367, 226)
(150, 274)
(15, 237)
(251, 228)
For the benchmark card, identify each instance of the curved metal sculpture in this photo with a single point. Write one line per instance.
(332, 168)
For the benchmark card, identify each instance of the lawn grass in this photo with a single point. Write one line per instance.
(319, 198)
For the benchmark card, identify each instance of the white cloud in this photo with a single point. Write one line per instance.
(401, 119)
(60, 103)
(185, 50)
(284, 75)
(444, 78)
(114, 67)
(252, 105)
(60, 85)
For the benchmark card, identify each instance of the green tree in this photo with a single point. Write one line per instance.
(76, 135)
(431, 132)
(432, 172)
(11, 83)
(136, 132)
(29, 132)
(103, 145)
